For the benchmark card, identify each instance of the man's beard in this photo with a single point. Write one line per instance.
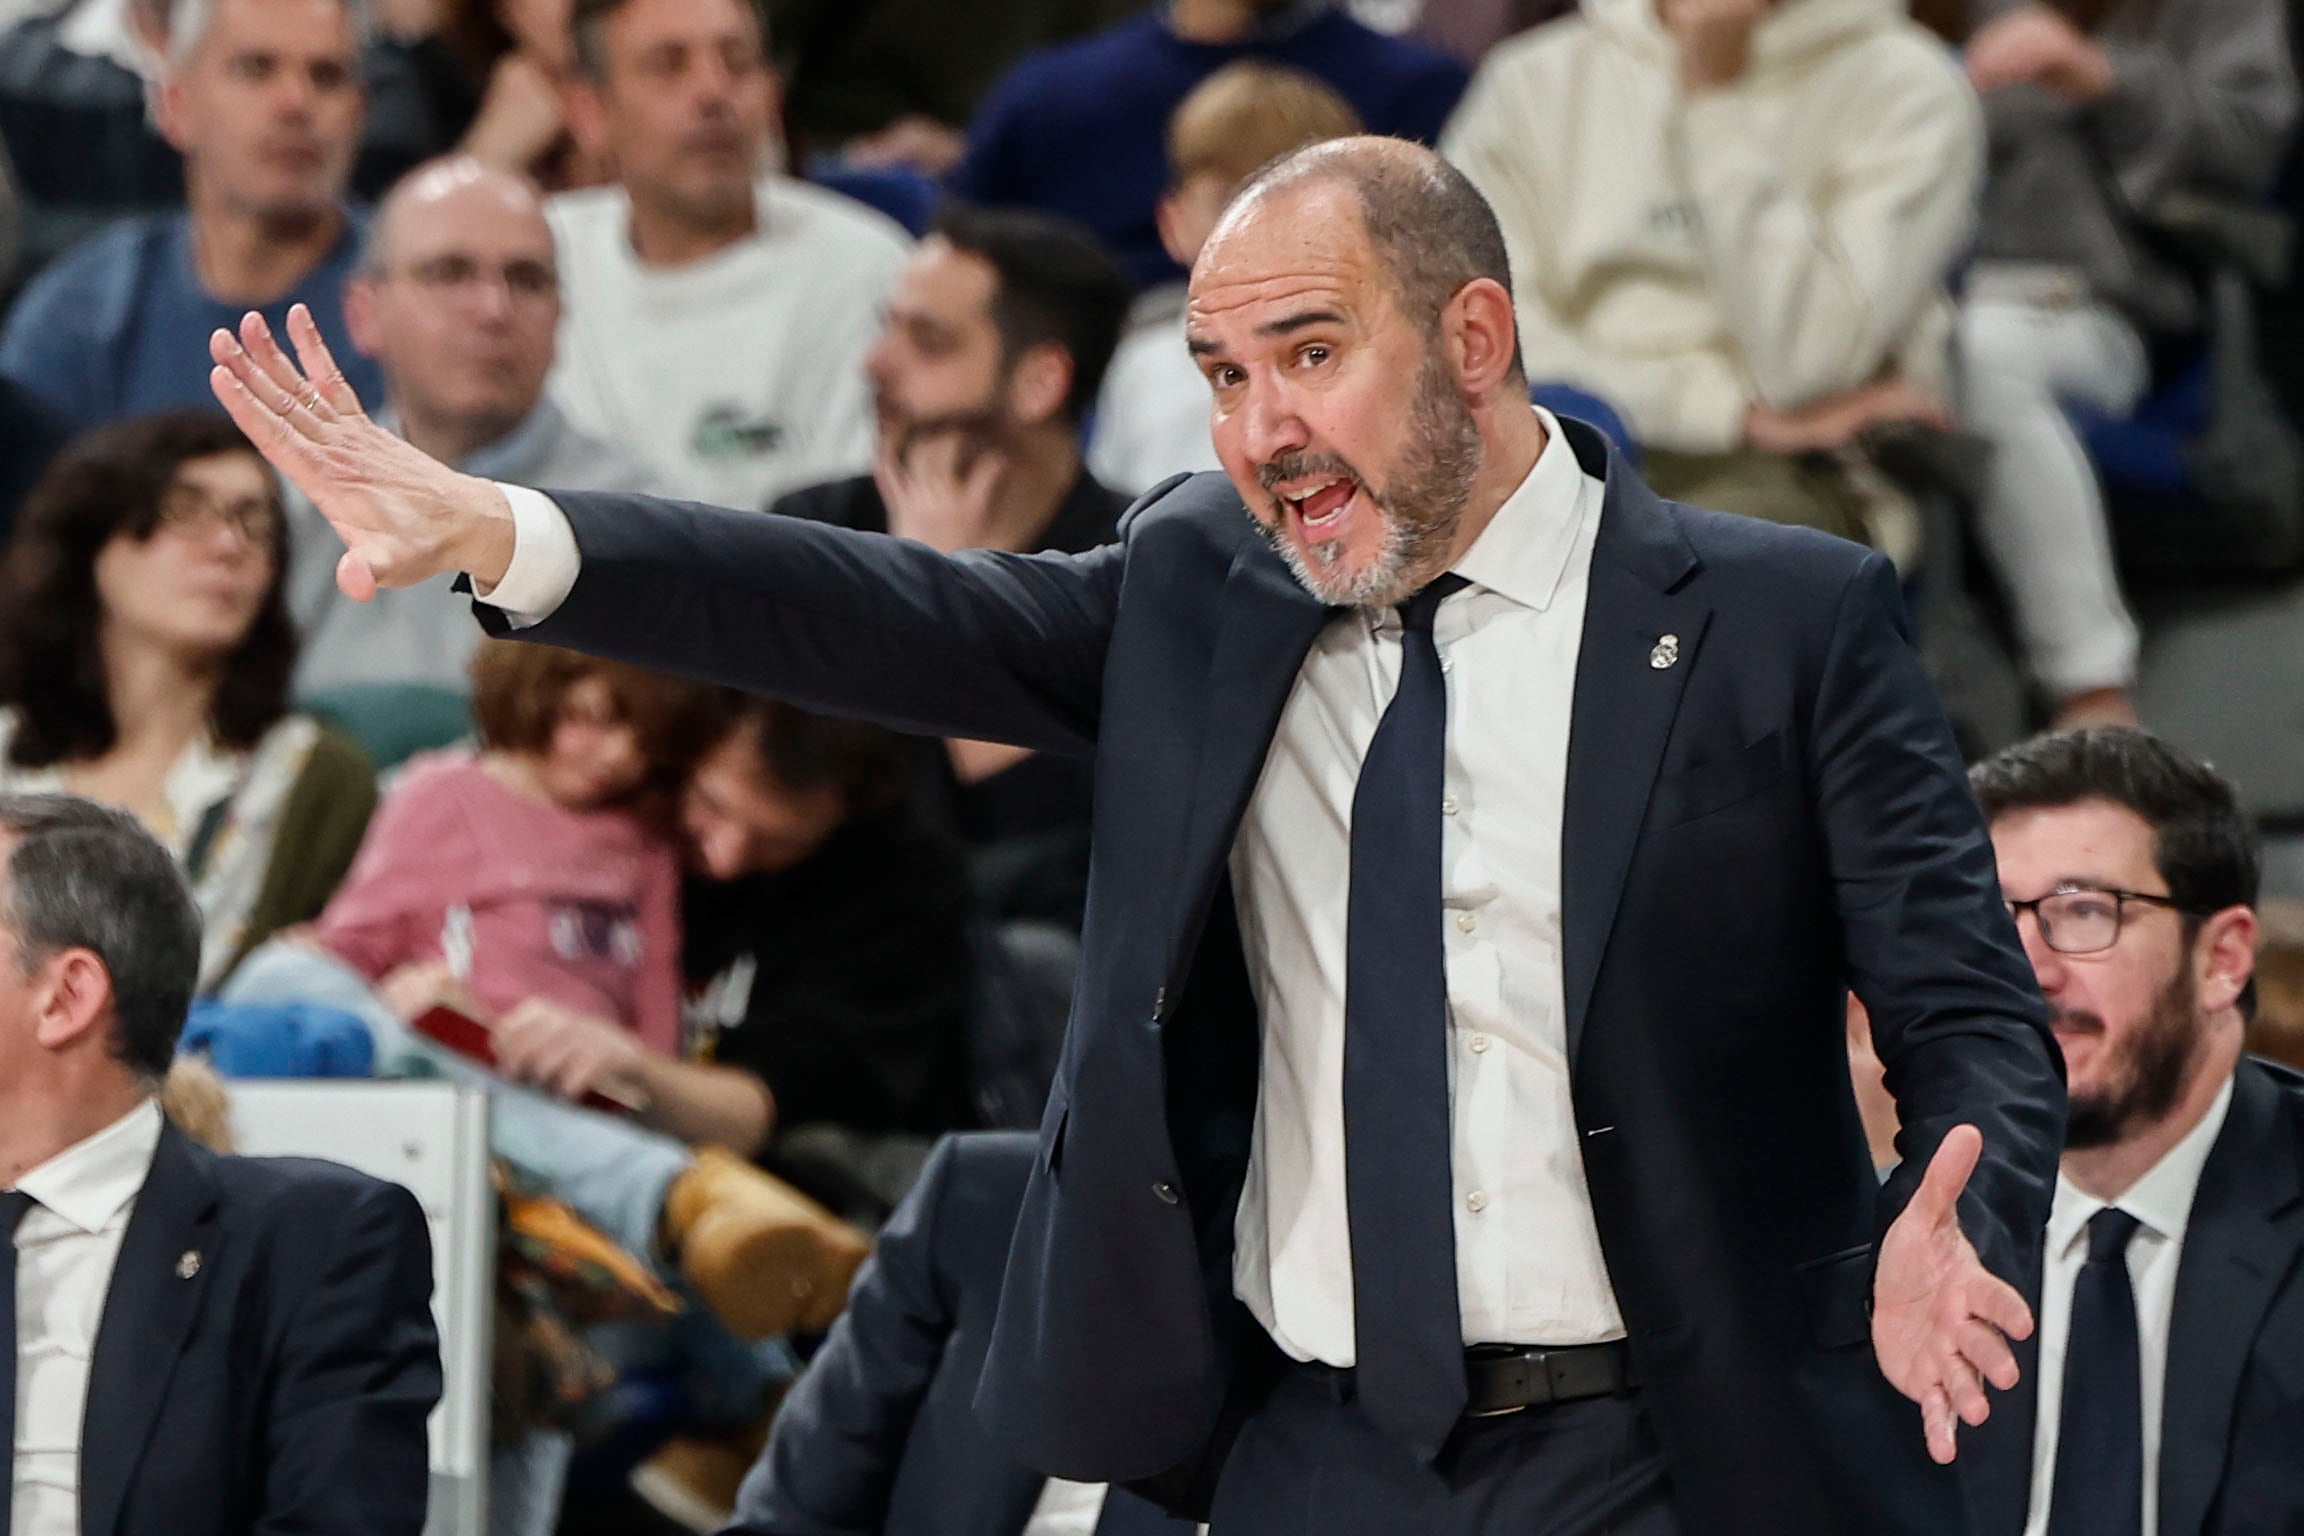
(1421, 507)
(2146, 1075)
(984, 428)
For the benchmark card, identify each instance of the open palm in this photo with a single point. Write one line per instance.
(1941, 1321)
(403, 515)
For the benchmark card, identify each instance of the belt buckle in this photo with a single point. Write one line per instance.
(1531, 1360)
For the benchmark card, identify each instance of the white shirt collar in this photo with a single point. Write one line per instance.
(1523, 552)
(2161, 1199)
(92, 1181)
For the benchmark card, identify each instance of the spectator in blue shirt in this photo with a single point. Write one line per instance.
(1081, 129)
(263, 99)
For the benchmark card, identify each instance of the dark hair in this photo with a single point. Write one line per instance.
(109, 484)
(1431, 229)
(2202, 843)
(1057, 286)
(588, 29)
(868, 767)
(519, 691)
(85, 876)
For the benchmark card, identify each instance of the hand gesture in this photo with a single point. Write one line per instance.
(568, 1054)
(1714, 37)
(2035, 45)
(403, 515)
(1837, 420)
(1941, 1321)
(520, 117)
(937, 494)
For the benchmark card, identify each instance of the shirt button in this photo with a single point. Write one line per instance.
(1466, 921)
(1479, 1044)
(1167, 1192)
(1447, 805)
(1477, 1201)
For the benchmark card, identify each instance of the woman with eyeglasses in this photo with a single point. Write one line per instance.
(145, 659)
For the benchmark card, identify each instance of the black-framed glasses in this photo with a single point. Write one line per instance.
(2084, 919)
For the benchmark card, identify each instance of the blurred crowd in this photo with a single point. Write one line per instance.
(1999, 287)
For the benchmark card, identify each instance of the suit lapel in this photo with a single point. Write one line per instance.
(2243, 1239)
(1268, 625)
(170, 1249)
(1623, 709)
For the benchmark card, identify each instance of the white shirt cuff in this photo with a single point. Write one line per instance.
(544, 559)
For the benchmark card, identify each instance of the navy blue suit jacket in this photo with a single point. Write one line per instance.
(880, 1436)
(1778, 815)
(267, 1359)
(2232, 1419)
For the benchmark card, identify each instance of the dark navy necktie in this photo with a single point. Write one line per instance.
(1399, 1194)
(13, 1204)
(2099, 1487)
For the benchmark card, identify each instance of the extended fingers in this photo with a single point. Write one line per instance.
(1937, 1420)
(1939, 1193)
(1995, 1301)
(1986, 1351)
(331, 394)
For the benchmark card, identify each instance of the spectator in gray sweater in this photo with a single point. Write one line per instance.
(2097, 112)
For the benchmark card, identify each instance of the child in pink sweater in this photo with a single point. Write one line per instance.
(526, 869)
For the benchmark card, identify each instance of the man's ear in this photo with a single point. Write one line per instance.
(71, 998)
(360, 313)
(1482, 334)
(1167, 214)
(168, 110)
(2224, 957)
(1040, 382)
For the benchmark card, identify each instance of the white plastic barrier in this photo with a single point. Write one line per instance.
(433, 1138)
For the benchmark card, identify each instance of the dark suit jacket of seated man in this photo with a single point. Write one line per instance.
(2232, 1417)
(1756, 817)
(267, 1359)
(880, 1433)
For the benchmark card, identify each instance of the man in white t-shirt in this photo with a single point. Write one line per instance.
(714, 320)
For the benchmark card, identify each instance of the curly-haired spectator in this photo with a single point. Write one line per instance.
(2098, 112)
(145, 657)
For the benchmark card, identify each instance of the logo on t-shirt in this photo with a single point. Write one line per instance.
(587, 931)
(723, 433)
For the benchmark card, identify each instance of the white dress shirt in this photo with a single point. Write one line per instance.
(1528, 1262)
(2161, 1202)
(66, 1247)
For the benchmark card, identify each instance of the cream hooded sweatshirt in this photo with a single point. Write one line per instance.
(1775, 241)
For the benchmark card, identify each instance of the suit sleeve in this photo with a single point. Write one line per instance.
(355, 1374)
(1956, 1014)
(840, 1434)
(985, 645)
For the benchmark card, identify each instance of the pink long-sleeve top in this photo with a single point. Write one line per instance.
(581, 908)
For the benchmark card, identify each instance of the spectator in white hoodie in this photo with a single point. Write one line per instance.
(1733, 221)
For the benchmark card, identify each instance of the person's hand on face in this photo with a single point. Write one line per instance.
(1714, 38)
(566, 1053)
(1941, 1321)
(2037, 46)
(404, 516)
(939, 489)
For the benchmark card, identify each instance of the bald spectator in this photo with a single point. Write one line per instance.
(1080, 130)
(717, 317)
(1733, 220)
(263, 99)
(456, 300)
(1153, 419)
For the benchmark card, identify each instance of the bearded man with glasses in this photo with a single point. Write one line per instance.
(2163, 1400)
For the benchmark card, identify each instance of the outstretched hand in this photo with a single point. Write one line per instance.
(402, 514)
(1941, 1321)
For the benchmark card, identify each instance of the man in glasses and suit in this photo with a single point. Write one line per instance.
(2164, 1392)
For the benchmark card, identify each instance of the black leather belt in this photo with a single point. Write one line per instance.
(1505, 1378)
